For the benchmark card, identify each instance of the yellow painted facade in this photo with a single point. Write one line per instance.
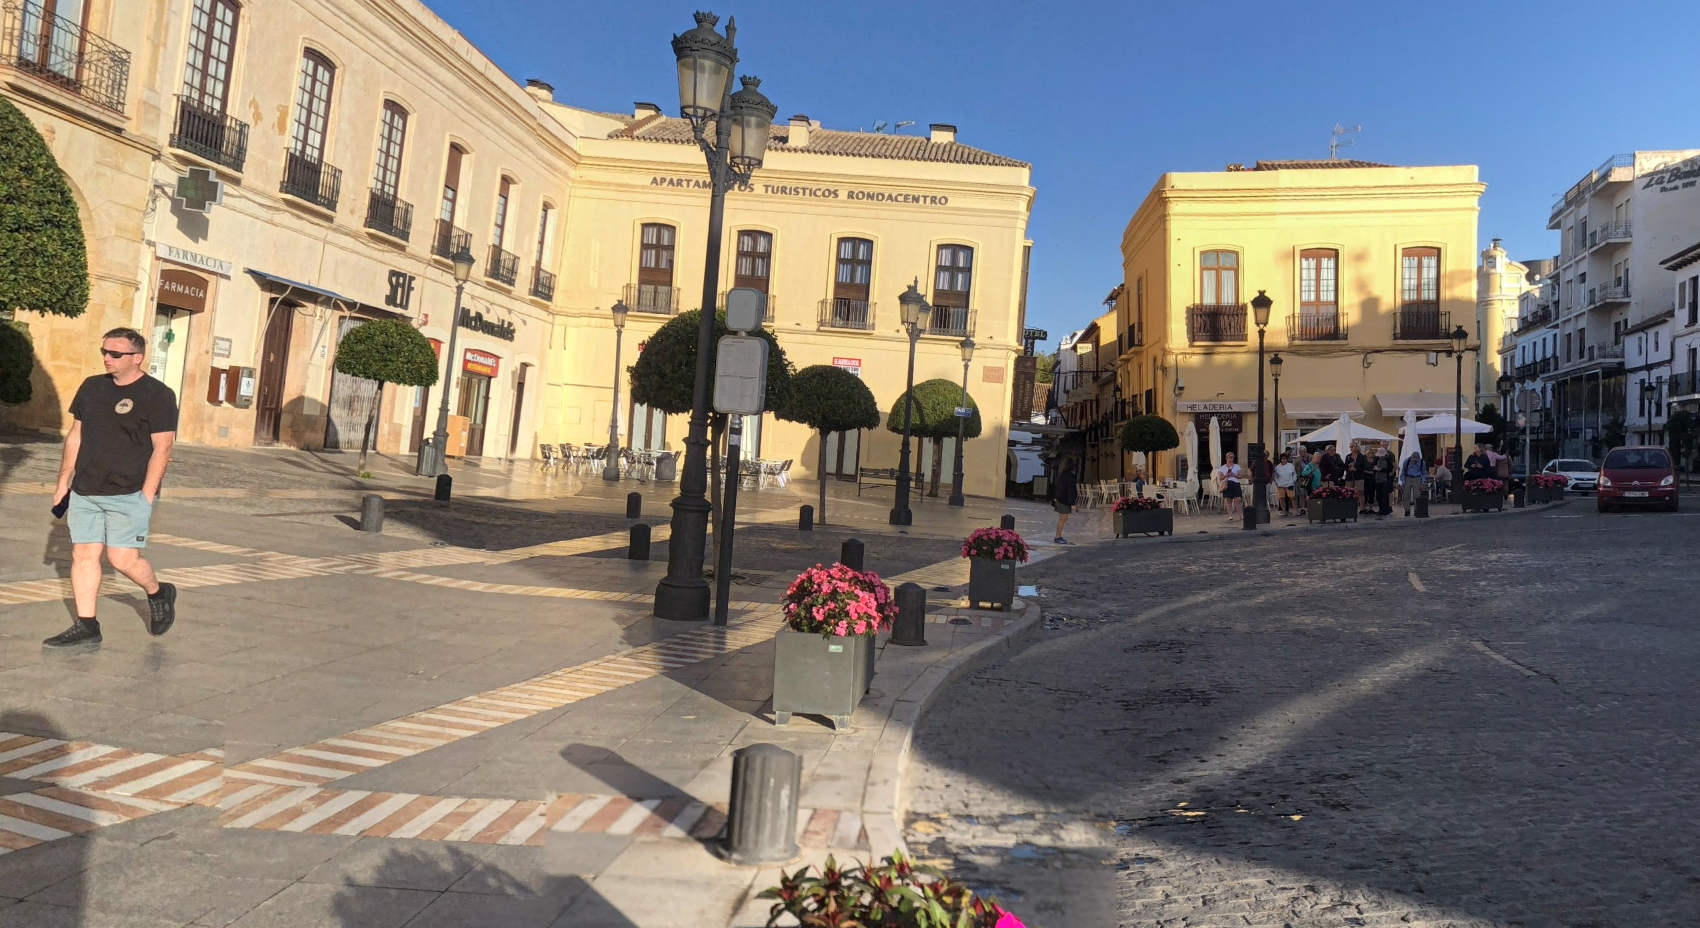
(1372, 347)
(1500, 285)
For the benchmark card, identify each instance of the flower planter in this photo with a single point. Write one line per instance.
(819, 675)
(1539, 495)
(1331, 510)
(991, 583)
(1145, 522)
(1481, 502)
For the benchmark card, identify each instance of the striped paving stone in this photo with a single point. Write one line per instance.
(336, 758)
(39, 816)
(102, 768)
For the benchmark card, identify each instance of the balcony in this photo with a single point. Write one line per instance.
(1316, 327)
(542, 284)
(1132, 338)
(1608, 295)
(1610, 233)
(1535, 319)
(1215, 323)
(950, 321)
(503, 266)
(1683, 384)
(309, 179)
(659, 299)
(836, 313)
(1422, 322)
(219, 138)
(450, 240)
(389, 215)
(62, 53)
(1615, 169)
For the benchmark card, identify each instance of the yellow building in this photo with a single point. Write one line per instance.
(1500, 285)
(1369, 266)
(833, 227)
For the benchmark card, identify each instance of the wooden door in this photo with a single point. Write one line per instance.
(475, 406)
(274, 370)
(519, 406)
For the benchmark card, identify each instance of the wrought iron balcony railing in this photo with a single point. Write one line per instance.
(953, 321)
(450, 240)
(1316, 327)
(389, 215)
(503, 266)
(652, 298)
(542, 284)
(1422, 322)
(837, 313)
(1215, 322)
(310, 179)
(217, 137)
(62, 53)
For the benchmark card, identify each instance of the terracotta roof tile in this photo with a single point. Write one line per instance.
(1317, 163)
(830, 142)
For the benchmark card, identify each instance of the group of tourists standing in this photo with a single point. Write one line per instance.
(1368, 469)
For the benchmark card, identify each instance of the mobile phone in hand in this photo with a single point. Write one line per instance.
(60, 507)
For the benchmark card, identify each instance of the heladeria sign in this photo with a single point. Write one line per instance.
(819, 193)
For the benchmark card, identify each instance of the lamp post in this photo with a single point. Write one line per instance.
(611, 470)
(915, 308)
(1459, 338)
(1275, 363)
(1260, 306)
(741, 122)
(439, 463)
(1505, 385)
(967, 346)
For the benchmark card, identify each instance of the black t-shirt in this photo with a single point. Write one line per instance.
(118, 428)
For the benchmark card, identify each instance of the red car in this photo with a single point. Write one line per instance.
(1637, 475)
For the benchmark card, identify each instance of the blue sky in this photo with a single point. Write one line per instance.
(1103, 97)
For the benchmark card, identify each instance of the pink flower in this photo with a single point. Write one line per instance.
(1008, 920)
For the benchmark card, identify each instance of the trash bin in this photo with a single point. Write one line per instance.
(667, 468)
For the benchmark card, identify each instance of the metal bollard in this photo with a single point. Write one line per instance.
(372, 513)
(445, 484)
(1422, 507)
(761, 813)
(634, 505)
(1520, 498)
(911, 627)
(1007, 522)
(1248, 519)
(850, 554)
(638, 548)
(806, 519)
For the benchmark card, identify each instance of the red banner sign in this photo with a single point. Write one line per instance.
(480, 362)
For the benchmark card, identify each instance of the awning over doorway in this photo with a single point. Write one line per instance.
(1321, 407)
(277, 281)
(1394, 405)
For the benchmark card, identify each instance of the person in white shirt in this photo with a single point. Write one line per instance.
(1286, 476)
(1228, 481)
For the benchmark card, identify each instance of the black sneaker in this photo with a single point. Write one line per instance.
(162, 610)
(80, 632)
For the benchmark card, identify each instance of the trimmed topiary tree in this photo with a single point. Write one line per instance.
(829, 399)
(1149, 435)
(388, 351)
(935, 418)
(44, 262)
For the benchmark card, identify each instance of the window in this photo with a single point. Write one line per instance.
(1318, 282)
(1693, 301)
(1581, 342)
(754, 267)
(312, 106)
(1419, 277)
(543, 231)
(953, 275)
(655, 269)
(212, 35)
(392, 135)
(1218, 273)
(850, 284)
(1139, 306)
(1567, 347)
(503, 191)
(451, 184)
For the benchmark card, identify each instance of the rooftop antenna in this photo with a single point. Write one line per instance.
(880, 125)
(1337, 140)
(899, 127)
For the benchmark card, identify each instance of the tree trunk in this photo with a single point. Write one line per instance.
(938, 462)
(820, 478)
(366, 436)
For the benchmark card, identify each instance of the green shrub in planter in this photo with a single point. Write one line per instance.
(895, 894)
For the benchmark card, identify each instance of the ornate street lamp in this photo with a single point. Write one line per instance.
(1460, 338)
(1260, 306)
(439, 461)
(915, 309)
(741, 123)
(611, 469)
(967, 346)
(1275, 363)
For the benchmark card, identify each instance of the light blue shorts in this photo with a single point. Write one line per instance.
(113, 521)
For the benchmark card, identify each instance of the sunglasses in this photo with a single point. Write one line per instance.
(115, 355)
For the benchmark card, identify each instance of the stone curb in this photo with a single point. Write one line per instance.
(882, 795)
(1378, 525)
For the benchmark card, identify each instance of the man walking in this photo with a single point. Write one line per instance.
(115, 458)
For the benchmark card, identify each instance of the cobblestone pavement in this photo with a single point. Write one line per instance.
(1480, 722)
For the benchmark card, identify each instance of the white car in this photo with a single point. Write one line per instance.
(1584, 475)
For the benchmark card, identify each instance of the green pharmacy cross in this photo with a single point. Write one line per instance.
(200, 190)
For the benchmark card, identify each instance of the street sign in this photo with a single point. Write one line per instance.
(1528, 400)
(740, 375)
(1522, 422)
(964, 412)
(745, 308)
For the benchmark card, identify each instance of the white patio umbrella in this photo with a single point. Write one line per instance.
(1445, 424)
(1215, 443)
(1333, 434)
(1402, 449)
(1189, 447)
